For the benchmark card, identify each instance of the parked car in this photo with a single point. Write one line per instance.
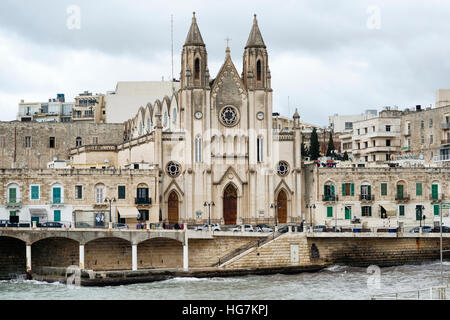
(214, 227)
(120, 226)
(247, 228)
(263, 228)
(52, 224)
(319, 228)
(445, 229)
(156, 226)
(82, 225)
(4, 223)
(425, 229)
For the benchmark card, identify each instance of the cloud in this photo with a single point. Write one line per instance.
(321, 54)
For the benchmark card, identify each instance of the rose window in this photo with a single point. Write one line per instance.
(283, 168)
(173, 169)
(229, 116)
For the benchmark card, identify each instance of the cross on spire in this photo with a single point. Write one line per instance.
(227, 39)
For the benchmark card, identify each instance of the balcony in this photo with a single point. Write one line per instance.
(329, 198)
(402, 198)
(13, 203)
(445, 125)
(366, 197)
(407, 148)
(445, 141)
(436, 197)
(143, 201)
(442, 157)
(57, 202)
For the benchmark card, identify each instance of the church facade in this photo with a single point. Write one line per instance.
(218, 156)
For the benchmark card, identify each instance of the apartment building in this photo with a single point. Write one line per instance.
(55, 110)
(89, 108)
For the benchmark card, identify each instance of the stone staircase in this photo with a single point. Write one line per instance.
(253, 244)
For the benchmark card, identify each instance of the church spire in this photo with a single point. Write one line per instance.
(194, 38)
(255, 39)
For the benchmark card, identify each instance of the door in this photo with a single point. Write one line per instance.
(282, 207)
(57, 215)
(230, 205)
(12, 195)
(348, 213)
(400, 191)
(173, 208)
(434, 191)
(56, 195)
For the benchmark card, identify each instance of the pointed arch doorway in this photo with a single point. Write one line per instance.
(282, 209)
(173, 208)
(230, 204)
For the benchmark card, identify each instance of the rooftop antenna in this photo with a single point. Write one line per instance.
(171, 43)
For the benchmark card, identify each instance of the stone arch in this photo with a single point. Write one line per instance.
(160, 252)
(282, 203)
(55, 251)
(230, 203)
(108, 253)
(12, 257)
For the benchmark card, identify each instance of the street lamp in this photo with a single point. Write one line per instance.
(313, 206)
(276, 206)
(209, 204)
(110, 201)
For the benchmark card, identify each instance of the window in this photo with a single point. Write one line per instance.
(78, 142)
(143, 215)
(121, 192)
(373, 128)
(94, 140)
(358, 132)
(56, 195)
(34, 191)
(198, 149)
(366, 211)
(436, 209)
(431, 139)
(99, 194)
(283, 168)
(78, 192)
(365, 130)
(418, 188)
(401, 210)
(359, 145)
(27, 142)
(409, 127)
(348, 213)
(431, 123)
(197, 69)
(348, 189)
(422, 140)
(329, 212)
(12, 195)
(348, 125)
(388, 142)
(259, 147)
(174, 116)
(258, 70)
(52, 142)
(384, 189)
(434, 191)
(173, 169)
(57, 215)
(388, 128)
(142, 196)
(422, 124)
(365, 192)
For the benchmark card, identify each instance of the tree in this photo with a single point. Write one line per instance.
(331, 149)
(345, 158)
(314, 146)
(304, 150)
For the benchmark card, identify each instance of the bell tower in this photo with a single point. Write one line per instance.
(256, 73)
(194, 59)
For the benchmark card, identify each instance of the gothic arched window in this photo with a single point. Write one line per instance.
(197, 69)
(198, 149)
(78, 142)
(258, 70)
(259, 146)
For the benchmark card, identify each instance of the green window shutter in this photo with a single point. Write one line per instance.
(13, 213)
(56, 195)
(332, 189)
(400, 191)
(418, 189)
(343, 189)
(329, 212)
(12, 195)
(352, 189)
(370, 211)
(57, 215)
(368, 190)
(401, 211)
(34, 192)
(348, 213)
(436, 209)
(384, 189)
(434, 191)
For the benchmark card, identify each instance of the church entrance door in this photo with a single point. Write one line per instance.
(282, 210)
(173, 208)
(230, 205)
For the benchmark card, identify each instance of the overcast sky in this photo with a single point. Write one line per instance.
(326, 56)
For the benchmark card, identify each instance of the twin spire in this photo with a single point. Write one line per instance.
(255, 39)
